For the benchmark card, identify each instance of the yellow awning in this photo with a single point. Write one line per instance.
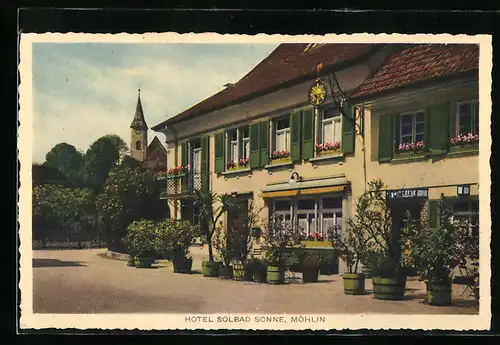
(309, 191)
(321, 190)
(280, 194)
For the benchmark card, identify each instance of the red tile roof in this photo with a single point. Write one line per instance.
(289, 62)
(420, 63)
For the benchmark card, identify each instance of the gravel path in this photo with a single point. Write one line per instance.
(80, 281)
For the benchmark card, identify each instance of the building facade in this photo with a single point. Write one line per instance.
(261, 139)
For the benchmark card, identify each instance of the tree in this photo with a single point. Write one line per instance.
(67, 159)
(212, 206)
(382, 252)
(101, 157)
(70, 211)
(129, 194)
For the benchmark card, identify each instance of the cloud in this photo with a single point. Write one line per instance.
(84, 91)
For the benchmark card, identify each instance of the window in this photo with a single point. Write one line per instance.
(282, 134)
(412, 127)
(196, 156)
(330, 213)
(311, 217)
(331, 130)
(233, 145)
(467, 211)
(467, 117)
(138, 145)
(238, 144)
(245, 139)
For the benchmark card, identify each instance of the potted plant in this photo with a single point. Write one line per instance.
(224, 245)
(131, 260)
(211, 206)
(352, 245)
(382, 248)
(278, 244)
(141, 240)
(175, 237)
(310, 264)
(437, 252)
(258, 268)
(240, 229)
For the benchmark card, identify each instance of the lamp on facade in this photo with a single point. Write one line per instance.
(463, 190)
(295, 178)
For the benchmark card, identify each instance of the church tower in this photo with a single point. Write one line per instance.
(139, 133)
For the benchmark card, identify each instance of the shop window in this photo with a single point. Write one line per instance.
(306, 204)
(467, 118)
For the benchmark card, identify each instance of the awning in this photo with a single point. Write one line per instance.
(320, 186)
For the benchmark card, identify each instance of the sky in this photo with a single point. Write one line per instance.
(82, 91)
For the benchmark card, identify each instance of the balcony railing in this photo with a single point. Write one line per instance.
(181, 185)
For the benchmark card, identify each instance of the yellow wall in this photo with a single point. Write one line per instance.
(444, 174)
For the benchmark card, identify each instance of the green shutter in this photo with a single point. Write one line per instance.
(385, 140)
(184, 154)
(254, 145)
(264, 143)
(439, 118)
(433, 213)
(396, 122)
(348, 127)
(295, 136)
(453, 122)
(219, 152)
(240, 143)
(308, 134)
(204, 163)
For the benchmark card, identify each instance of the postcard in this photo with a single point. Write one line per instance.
(270, 182)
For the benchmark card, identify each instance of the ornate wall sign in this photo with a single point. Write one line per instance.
(317, 93)
(407, 193)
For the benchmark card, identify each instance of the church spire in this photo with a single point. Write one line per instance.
(139, 122)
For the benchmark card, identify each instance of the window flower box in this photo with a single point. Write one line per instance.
(411, 150)
(241, 164)
(309, 244)
(280, 160)
(327, 153)
(461, 143)
(172, 173)
(327, 149)
(283, 154)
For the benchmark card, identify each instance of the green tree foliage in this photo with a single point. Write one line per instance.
(129, 194)
(175, 237)
(373, 215)
(437, 252)
(101, 157)
(69, 211)
(67, 159)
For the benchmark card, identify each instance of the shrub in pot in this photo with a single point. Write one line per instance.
(224, 245)
(352, 245)
(436, 252)
(241, 229)
(259, 270)
(282, 239)
(141, 240)
(310, 264)
(175, 237)
(382, 247)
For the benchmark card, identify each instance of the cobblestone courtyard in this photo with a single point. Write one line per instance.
(80, 281)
